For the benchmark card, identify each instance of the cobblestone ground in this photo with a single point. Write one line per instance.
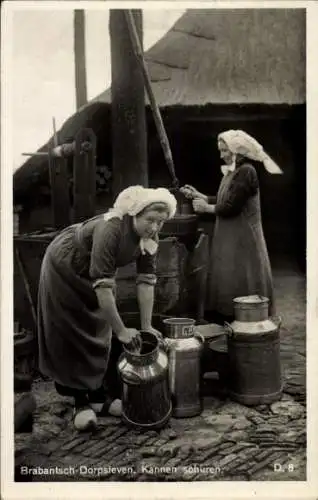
(227, 442)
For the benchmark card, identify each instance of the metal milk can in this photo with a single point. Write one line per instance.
(185, 347)
(254, 363)
(146, 395)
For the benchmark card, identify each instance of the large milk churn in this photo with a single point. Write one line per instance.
(185, 347)
(254, 353)
(146, 396)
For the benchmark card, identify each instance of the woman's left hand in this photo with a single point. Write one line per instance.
(199, 205)
(153, 330)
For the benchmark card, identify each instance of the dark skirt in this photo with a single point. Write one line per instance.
(74, 339)
(239, 264)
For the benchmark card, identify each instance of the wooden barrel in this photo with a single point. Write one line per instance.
(170, 257)
(181, 225)
(167, 290)
(181, 273)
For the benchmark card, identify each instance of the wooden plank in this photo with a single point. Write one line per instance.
(84, 176)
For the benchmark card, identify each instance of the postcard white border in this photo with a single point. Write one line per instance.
(194, 490)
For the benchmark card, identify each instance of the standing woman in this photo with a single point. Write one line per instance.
(239, 263)
(77, 310)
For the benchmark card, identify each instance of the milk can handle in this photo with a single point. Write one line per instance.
(228, 329)
(278, 321)
(163, 343)
(199, 336)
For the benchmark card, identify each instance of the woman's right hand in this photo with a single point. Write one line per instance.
(191, 192)
(128, 335)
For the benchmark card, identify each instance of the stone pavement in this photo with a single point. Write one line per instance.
(227, 442)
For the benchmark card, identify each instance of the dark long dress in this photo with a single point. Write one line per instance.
(239, 263)
(74, 337)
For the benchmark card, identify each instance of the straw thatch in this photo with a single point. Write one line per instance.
(230, 56)
(209, 57)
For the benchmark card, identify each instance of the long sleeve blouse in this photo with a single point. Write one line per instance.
(235, 189)
(108, 245)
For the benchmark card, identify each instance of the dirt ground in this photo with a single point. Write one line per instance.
(227, 442)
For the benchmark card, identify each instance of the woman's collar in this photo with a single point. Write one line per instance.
(226, 169)
(146, 244)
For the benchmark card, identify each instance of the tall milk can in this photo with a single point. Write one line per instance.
(254, 353)
(185, 347)
(146, 395)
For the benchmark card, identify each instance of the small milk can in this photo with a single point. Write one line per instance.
(185, 347)
(146, 396)
(254, 353)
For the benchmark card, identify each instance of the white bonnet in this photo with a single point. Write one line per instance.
(239, 142)
(134, 199)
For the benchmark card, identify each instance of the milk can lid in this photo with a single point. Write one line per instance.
(251, 299)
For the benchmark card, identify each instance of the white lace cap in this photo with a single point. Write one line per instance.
(134, 199)
(239, 142)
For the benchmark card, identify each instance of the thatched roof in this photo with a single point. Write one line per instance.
(209, 57)
(230, 56)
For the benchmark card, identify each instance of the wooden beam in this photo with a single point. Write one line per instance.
(60, 196)
(237, 117)
(164, 141)
(129, 132)
(80, 58)
(84, 176)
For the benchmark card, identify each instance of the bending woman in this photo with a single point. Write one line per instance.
(77, 310)
(239, 263)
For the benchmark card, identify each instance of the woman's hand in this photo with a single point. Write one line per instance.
(189, 192)
(153, 330)
(200, 205)
(128, 335)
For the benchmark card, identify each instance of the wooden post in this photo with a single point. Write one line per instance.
(59, 191)
(80, 58)
(164, 141)
(84, 176)
(129, 139)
